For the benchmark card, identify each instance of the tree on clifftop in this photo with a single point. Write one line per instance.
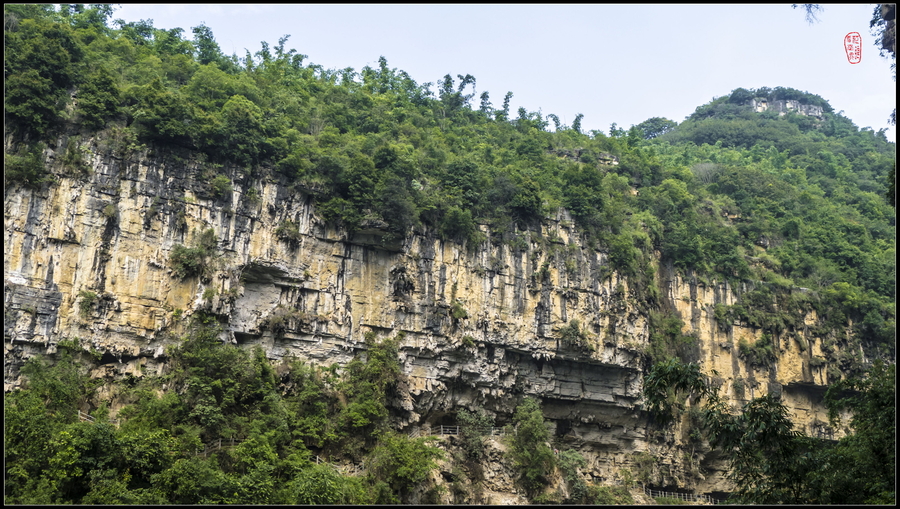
(656, 126)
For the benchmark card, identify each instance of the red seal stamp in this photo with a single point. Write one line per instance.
(853, 47)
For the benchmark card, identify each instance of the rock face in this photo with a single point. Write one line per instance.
(783, 106)
(89, 259)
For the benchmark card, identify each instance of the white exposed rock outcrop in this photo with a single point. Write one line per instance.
(784, 106)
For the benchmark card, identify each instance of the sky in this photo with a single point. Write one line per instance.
(616, 64)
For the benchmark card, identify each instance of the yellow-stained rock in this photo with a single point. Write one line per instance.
(337, 287)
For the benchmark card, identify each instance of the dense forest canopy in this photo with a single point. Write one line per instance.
(794, 204)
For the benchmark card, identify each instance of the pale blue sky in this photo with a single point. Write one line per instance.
(613, 63)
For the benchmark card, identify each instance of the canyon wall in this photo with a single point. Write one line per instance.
(87, 258)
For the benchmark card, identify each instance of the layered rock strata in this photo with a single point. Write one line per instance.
(89, 259)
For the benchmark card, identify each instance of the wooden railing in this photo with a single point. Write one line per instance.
(455, 430)
(89, 418)
(343, 469)
(687, 497)
(217, 445)
(824, 433)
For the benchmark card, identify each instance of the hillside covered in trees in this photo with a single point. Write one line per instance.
(798, 205)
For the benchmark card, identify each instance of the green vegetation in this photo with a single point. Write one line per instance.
(761, 353)
(282, 318)
(473, 427)
(573, 336)
(569, 463)
(645, 464)
(610, 495)
(789, 210)
(289, 231)
(217, 391)
(195, 261)
(221, 186)
(529, 447)
(110, 211)
(26, 169)
(458, 312)
(402, 463)
(87, 302)
(253, 196)
(667, 339)
(781, 202)
(579, 491)
(771, 463)
(866, 459)
(73, 161)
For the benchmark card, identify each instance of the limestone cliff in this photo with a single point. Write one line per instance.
(88, 258)
(783, 106)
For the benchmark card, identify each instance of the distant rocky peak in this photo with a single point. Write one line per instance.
(782, 106)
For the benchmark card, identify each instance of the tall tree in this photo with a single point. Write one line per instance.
(656, 126)
(485, 104)
(576, 124)
(206, 48)
(504, 114)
